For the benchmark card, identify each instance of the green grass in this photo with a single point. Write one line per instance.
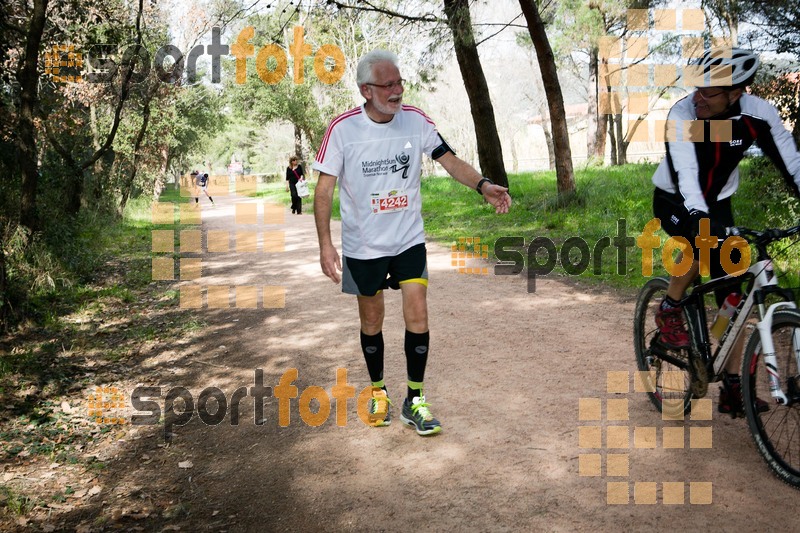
(605, 199)
(15, 502)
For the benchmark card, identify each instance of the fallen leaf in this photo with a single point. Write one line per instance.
(60, 506)
(48, 528)
(185, 464)
(97, 489)
(66, 407)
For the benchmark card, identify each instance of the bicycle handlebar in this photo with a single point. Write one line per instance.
(764, 237)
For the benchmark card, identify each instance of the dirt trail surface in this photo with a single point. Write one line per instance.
(506, 375)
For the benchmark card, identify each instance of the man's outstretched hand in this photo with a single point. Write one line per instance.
(497, 196)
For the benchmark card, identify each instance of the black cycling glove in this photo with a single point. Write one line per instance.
(718, 229)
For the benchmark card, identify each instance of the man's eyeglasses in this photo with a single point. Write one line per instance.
(706, 96)
(389, 86)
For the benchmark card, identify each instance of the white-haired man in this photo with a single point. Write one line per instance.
(375, 151)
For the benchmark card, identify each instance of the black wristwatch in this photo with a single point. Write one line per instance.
(480, 184)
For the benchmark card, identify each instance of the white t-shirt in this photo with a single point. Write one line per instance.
(378, 167)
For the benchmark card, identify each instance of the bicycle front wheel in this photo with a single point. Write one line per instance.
(777, 431)
(667, 379)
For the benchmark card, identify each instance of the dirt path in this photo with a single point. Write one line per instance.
(506, 375)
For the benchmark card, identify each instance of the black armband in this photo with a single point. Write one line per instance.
(442, 149)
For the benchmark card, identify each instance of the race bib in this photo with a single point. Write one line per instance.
(389, 201)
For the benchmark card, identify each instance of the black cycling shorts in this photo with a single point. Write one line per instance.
(675, 220)
(674, 216)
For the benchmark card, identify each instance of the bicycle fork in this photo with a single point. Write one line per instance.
(764, 327)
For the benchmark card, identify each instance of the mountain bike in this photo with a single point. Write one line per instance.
(771, 361)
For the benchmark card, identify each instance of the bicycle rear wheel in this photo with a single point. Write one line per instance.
(664, 372)
(776, 432)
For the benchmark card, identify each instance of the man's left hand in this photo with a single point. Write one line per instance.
(497, 196)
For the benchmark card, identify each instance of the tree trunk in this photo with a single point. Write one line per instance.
(514, 158)
(551, 149)
(5, 306)
(74, 175)
(28, 78)
(159, 183)
(490, 151)
(548, 137)
(75, 191)
(613, 139)
(127, 187)
(596, 135)
(564, 172)
(622, 146)
(298, 142)
(94, 180)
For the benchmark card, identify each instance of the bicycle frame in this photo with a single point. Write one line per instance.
(762, 282)
(767, 317)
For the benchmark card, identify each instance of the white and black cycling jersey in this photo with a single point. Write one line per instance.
(706, 169)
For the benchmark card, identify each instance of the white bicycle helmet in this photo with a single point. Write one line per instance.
(729, 67)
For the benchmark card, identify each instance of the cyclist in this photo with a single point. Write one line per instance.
(698, 176)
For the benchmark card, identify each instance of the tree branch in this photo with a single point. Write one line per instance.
(382, 10)
(504, 26)
(123, 97)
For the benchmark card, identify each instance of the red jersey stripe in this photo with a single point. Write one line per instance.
(713, 169)
(418, 110)
(323, 147)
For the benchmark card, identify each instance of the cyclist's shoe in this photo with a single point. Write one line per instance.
(730, 401)
(379, 408)
(672, 329)
(416, 414)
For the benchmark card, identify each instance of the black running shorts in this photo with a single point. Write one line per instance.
(367, 277)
